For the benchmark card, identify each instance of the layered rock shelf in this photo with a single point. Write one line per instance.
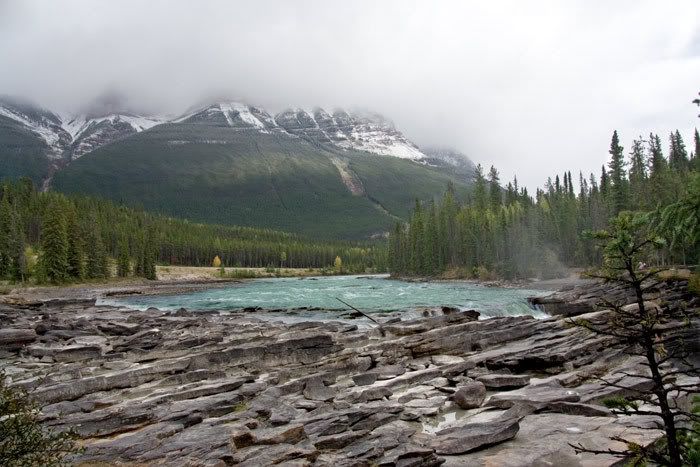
(195, 388)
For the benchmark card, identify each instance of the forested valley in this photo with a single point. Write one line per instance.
(507, 232)
(53, 238)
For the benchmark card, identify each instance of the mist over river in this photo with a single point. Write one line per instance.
(315, 298)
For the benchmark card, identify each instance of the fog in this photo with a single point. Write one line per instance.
(534, 88)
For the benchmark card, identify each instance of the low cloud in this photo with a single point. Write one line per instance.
(531, 87)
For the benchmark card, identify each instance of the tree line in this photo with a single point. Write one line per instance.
(504, 231)
(53, 238)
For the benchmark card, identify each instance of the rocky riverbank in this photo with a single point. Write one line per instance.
(210, 388)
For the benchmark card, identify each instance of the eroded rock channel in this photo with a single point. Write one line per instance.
(194, 388)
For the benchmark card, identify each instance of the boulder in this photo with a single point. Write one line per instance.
(315, 390)
(471, 395)
(364, 379)
(289, 434)
(373, 394)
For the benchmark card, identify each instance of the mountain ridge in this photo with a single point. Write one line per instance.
(333, 175)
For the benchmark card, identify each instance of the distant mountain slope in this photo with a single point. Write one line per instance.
(335, 175)
(207, 170)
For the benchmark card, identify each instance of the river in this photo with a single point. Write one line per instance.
(316, 298)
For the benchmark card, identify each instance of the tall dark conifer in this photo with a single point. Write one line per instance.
(618, 181)
(54, 245)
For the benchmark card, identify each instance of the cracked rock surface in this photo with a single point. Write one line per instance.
(188, 388)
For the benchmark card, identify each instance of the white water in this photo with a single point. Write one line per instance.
(371, 294)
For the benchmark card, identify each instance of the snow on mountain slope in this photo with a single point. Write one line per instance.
(69, 138)
(43, 123)
(90, 133)
(361, 131)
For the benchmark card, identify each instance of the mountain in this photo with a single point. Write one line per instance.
(450, 159)
(36, 142)
(343, 174)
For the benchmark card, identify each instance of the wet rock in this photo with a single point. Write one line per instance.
(470, 396)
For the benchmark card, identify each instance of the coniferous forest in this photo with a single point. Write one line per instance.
(53, 238)
(504, 231)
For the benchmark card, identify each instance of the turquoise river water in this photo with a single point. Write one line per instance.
(371, 294)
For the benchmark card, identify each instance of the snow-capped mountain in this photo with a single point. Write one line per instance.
(450, 158)
(361, 131)
(45, 124)
(88, 134)
(69, 137)
(108, 120)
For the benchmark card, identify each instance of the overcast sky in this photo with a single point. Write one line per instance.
(531, 87)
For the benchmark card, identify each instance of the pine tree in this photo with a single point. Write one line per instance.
(123, 260)
(149, 256)
(76, 257)
(5, 221)
(678, 155)
(618, 181)
(604, 183)
(495, 197)
(637, 173)
(658, 172)
(54, 245)
(479, 187)
(16, 248)
(696, 159)
(97, 266)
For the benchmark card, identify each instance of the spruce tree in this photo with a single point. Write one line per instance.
(97, 266)
(54, 245)
(480, 187)
(76, 257)
(123, 261)
(494, 188)
(149, 256)
(678, 155)
(696, 159)
(637, 173)
(5, 220)
(658, 172)
(618, 182)
(18, 261)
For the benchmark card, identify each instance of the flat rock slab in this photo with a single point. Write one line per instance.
(470, 437)
(15, 339)
(497, 381)
(536, 396)
(543, 440)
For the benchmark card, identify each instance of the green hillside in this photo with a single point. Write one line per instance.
(22, 153)
(215, 174)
